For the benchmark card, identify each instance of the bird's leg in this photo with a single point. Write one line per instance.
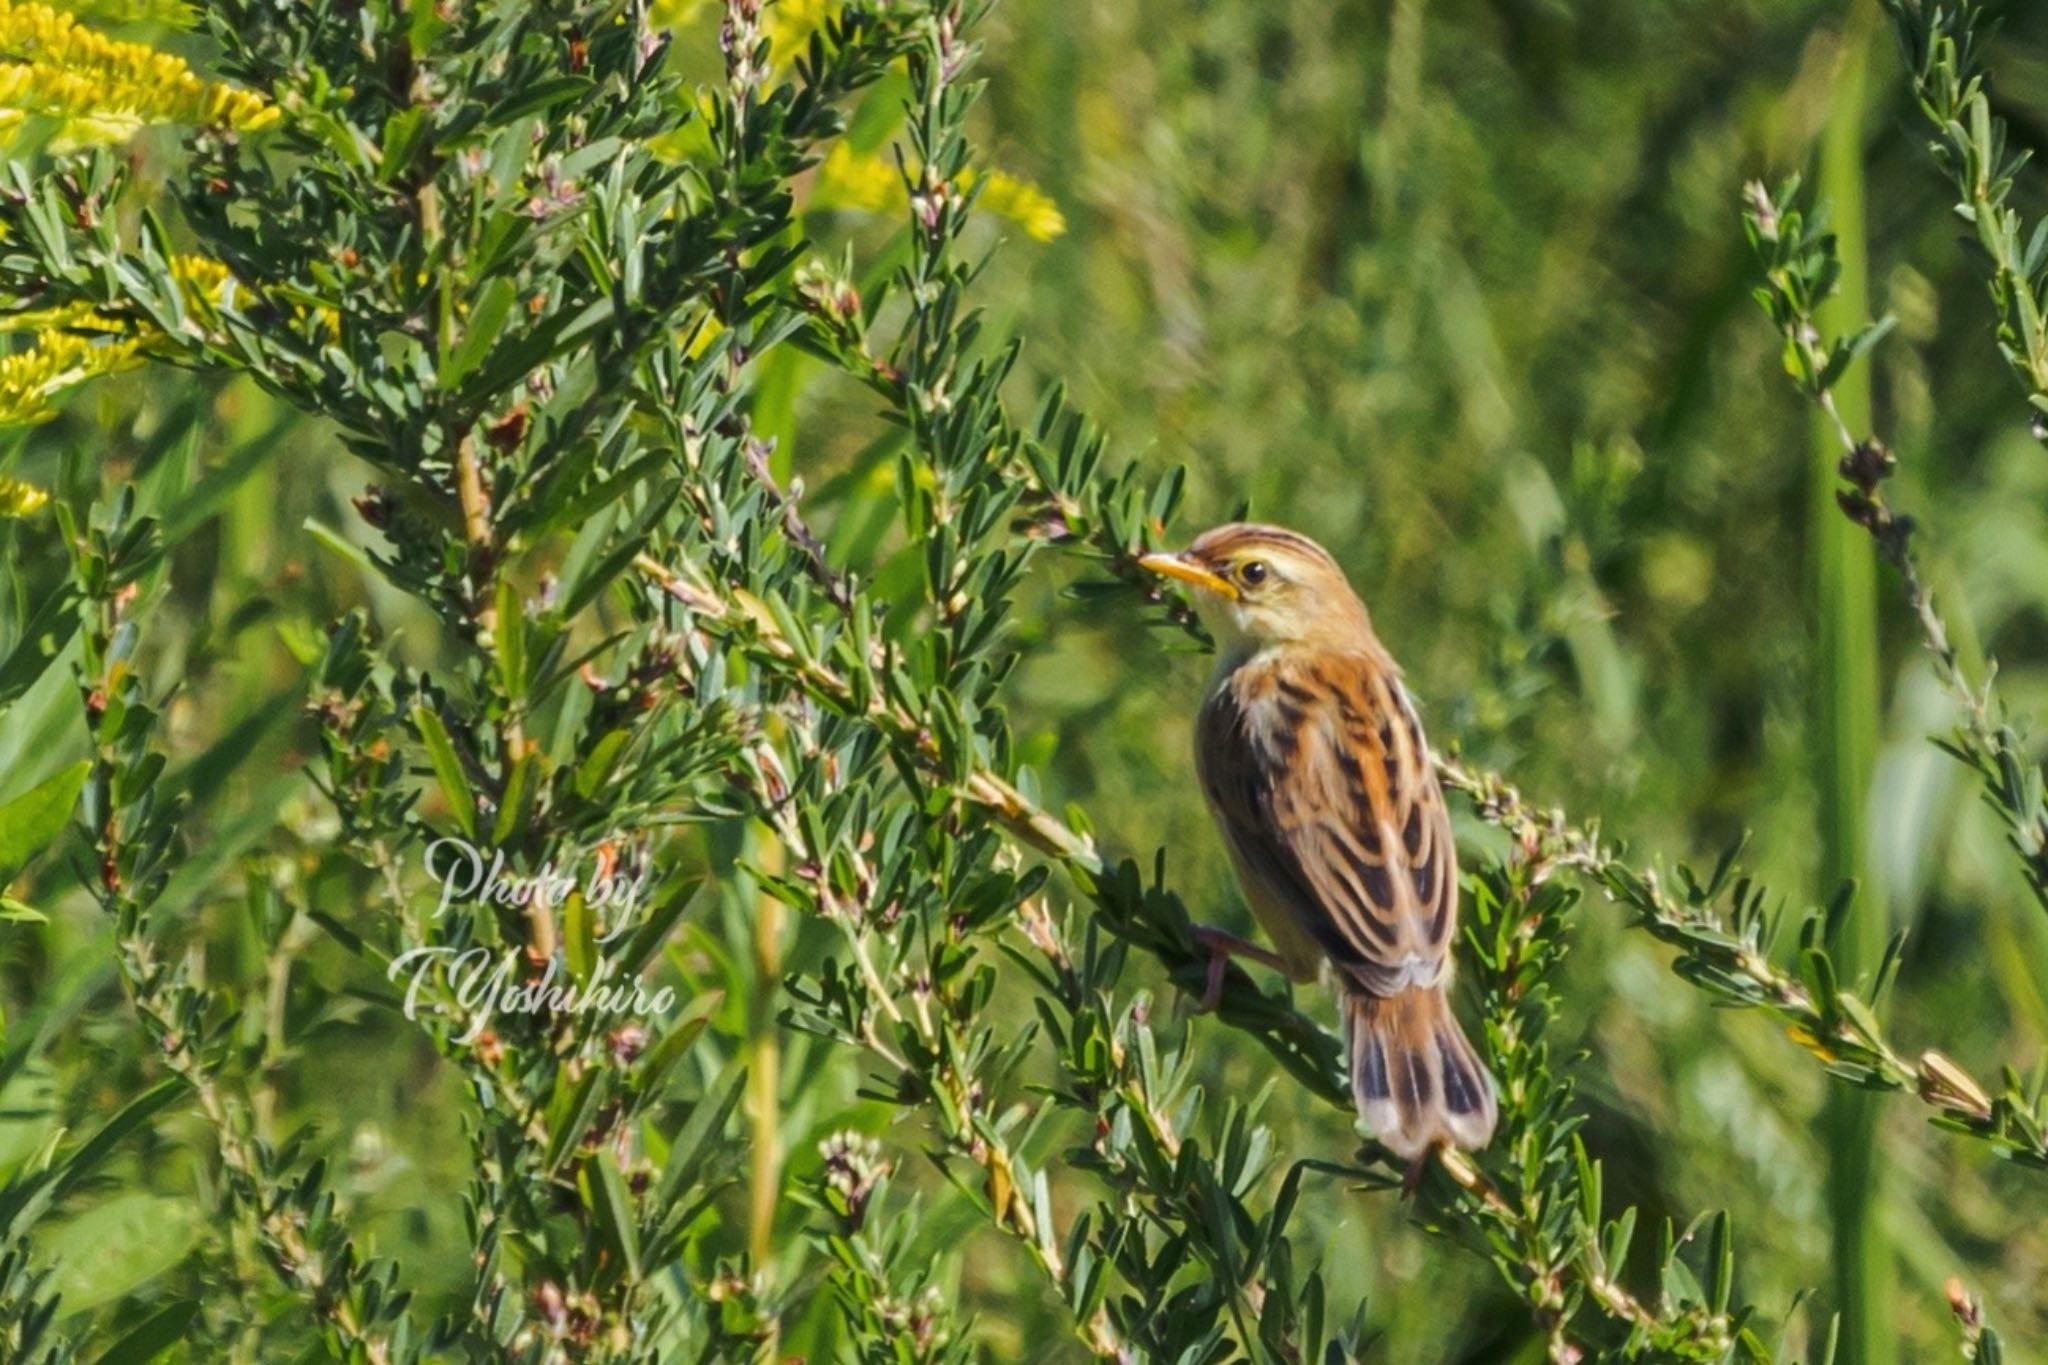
(1413, 1176)
(1224, 945)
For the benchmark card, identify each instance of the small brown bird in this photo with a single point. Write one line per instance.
(1313, 761)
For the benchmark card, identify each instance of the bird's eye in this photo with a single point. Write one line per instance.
(1252, 573)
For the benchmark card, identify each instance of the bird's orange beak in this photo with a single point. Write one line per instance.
(1180, 567)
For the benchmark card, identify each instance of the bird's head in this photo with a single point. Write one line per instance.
(1259, 587)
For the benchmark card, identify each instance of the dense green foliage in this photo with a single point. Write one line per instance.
(687, 441)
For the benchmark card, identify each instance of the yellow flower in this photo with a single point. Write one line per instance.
(790, 24)
(172, 13)
(201, 275)
(57, 361)
(102, 89)
(75, 343)
(675, 14)
(1022, 202)
(204, 283)
(72, 317)
(849, 180)
(18, 499)
(700, 333)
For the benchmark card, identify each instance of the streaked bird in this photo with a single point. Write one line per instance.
(1314, 764)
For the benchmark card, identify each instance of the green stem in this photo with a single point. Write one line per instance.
(1846, 725)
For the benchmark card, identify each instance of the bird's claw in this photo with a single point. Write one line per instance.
(1224, 945)
(1212, 991)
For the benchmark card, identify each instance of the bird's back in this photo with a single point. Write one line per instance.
(1315, 766)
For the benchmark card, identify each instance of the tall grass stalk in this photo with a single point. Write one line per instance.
(1847, 695)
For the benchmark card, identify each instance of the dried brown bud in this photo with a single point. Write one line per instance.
(583, 1317)
(505, 434)
(375, 506)
(1868, 465)
(1858, 508)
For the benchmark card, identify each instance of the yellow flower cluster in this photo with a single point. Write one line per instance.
(675, 14)
(1022, 202)
(103, 89)
(30, 379)
(204, 283)
(18, 499)
(172, 13)
(75, 343)
(74, 317)
(848, 180)
(788, 24)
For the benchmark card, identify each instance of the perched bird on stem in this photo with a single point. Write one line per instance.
(1314, 764)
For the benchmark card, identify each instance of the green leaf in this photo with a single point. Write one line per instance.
(152, 1336)
(401, 136)
(76, 1165)
(17, 911)
(447, 767)
(38, 650)
(482, 330)
(510, 637)
(597, 765)
(518, 806)
(539, 96)
(568, 1115)
(579, 944)
(112, 1247)
(33, 821)
(340, 544)
(604, 1192)
(689, 1024)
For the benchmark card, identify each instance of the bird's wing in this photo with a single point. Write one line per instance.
(1321, 779)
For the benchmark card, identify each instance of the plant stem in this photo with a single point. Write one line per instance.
(764, 1077)
(1846, 693)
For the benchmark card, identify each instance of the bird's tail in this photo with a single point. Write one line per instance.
(1415, 1078)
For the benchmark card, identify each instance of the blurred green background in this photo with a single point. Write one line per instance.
(1459, 289)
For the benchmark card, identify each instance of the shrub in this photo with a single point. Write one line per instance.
(617, 731)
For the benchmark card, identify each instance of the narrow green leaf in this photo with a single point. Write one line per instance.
(447, 767)
(604, 1192)
(688, 1025)
(597, 765)
(482, 330)
(33, 821)
(579, 944)
(154, 1335)
(511, 641)
(21, 912)
(518, 804)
